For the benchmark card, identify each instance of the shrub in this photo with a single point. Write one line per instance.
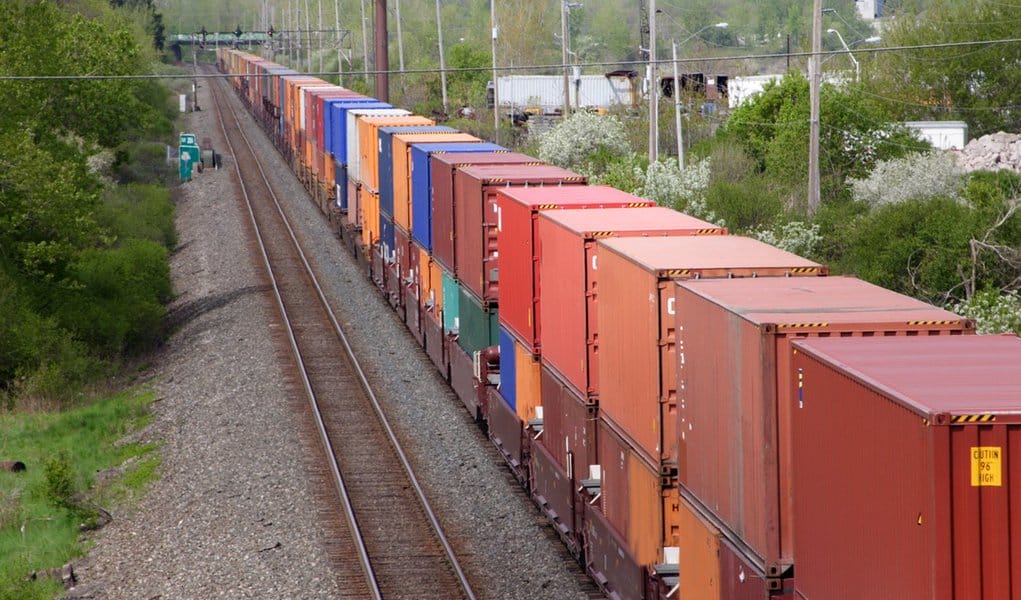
(60, 482)
(795, 236)
(993, 311)
(747, 205)
(580, 138)
(919, 175)
(139, 211)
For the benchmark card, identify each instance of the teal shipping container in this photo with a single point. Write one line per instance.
(479, 326)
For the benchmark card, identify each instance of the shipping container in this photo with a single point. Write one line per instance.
(505, 431)
(451, 302)
(553, 491)
(353, 217)
(421, 182)
(637, 387)
(733, 411)
(430, 283)
(636, 500)
(435, 346)
(369, 206)
(508, 368)
(569, 428)
(904, 467)
(566, 274)
(411, 284)
(477, 327)
(338, 146)
(401, 175)
(710, 568)
(476, 256)
(369, 143)
(443, 167)
(608, 560)
(517, 240)
(385, 159)
(353, 135)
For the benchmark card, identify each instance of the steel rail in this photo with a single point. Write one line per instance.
(366, 386)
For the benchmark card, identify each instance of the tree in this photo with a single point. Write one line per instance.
(977, 84)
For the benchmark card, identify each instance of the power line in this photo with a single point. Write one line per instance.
(550, 67)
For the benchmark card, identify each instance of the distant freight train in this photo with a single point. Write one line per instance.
(699, 415)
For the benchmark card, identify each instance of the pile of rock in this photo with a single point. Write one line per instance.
(992, 152)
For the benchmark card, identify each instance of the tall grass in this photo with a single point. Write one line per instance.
(40, 522)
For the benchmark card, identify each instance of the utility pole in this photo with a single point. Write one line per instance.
(340, 44)
(653, 85)
(563, 52)
(677, 110)
(443, 62)
(496, 88)
(814, 80)
(319, 34)
(365, 45)
(382, 54)
(308, 38)
(400, 44)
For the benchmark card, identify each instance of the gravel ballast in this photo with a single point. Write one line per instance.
(234, 512)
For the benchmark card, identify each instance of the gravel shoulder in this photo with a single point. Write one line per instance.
(234, 512)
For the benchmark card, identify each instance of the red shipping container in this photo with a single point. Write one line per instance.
(637, 384)
(518, 243)
(733, 370)
(567, 278)
(905, 480)
(476, 256)
(443, 166)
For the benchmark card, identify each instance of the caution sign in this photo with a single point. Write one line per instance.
(986, 466)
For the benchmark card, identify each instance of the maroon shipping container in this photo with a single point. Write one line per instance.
(905, 480)
(637, 384)
(435, 344)
(518, 242)
(507, 433)
(733, 373)
(443, 166)
(411, 291)
(568, 426)
(476, 256)
(608, 560)
(567, 278)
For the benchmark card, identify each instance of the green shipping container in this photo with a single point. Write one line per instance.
(450, 303)
(480, 327)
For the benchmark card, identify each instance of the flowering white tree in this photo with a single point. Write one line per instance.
(797, 237)
(993, 311)
(575, 140)
(914, 177)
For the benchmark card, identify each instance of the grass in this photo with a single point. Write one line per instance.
(36, 531)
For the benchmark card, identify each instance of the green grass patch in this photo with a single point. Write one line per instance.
(75, 463)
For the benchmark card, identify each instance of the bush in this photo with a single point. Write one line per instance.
(747, 205)
(795, 236)
(993, 311)
(118, 303)
(919, 175)
(141, 212)
(581, 138)
(916, 247)
(60, 482)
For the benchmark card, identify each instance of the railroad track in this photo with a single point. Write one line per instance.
(396, 547)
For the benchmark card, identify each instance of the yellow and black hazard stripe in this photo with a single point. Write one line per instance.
(599, 234)
(675, 273)
(972, 418)
(801, 325)
(805, 270)
(638, 204)
(713, 231)
(548, 206)
(571, 179)
(495, 180)
(948, 322)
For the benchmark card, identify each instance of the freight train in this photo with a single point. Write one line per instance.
(698, 415)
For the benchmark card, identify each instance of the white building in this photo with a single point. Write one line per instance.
(869, 10)
(945, 135)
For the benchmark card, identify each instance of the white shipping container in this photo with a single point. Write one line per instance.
(945, 135)
(546, 92)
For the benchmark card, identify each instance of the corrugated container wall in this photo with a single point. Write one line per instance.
(421, 183)
(476, 256)
(636, 323)
(734, 404)
(400, 179)
(385, 159)
(443, 167)
(567, 273)
(369, 143)
(928, 508)
(354, 147)
(518, 242)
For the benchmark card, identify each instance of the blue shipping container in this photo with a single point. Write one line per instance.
(421, 184)
(386, 236)
(385, 147)
(328, 119)
(340, 181)
(508, 369)
(338, 123)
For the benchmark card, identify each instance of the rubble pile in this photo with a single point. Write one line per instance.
(992, 152)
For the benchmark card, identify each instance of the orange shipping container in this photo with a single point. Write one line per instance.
(402, 168)
(370, 216)
(368, 135)
(636, 323)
